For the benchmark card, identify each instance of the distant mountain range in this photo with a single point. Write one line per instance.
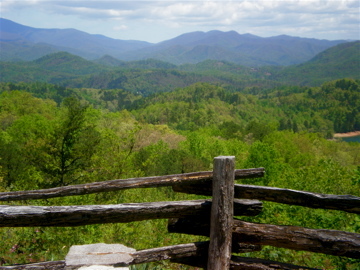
(19, 43)
(151, 76)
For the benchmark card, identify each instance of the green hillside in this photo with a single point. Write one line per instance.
(335, 106)
(151, 76)
(56, 68)
(143, 77)
(63, 62)
(341, 61)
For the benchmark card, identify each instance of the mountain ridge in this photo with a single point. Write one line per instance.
(244, 49)
(71, 40)
(21, 42)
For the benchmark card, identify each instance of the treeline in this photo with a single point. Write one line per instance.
(332, 107)
(52, 136)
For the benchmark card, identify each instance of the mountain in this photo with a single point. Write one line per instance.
(143, 77)
(57, 68)
(18, 42)
(108, 60)
(341, 61)
(230, 46)
(149, 63)
(67, 63)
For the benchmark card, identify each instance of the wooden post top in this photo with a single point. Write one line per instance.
(225, 157)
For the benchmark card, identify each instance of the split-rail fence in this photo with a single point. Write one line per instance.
(213, 218)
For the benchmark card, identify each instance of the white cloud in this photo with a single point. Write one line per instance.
(120, 27)
(6, 5)
(334, 19)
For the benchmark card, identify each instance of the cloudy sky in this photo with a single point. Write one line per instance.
(155, 21)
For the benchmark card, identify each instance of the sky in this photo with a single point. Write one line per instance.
(156, 21)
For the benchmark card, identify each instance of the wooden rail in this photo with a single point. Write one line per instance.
(244, 263)
(60, 216)
(194, 254)
(122, 184)
(331, 242)
(347, 203)
(198, 259)
(212, 218)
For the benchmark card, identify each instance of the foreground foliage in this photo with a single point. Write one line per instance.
(65, 136)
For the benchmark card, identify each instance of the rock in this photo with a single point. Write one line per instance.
(99, 255)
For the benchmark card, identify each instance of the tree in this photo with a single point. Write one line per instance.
(25, 125)
(264, 155)
(71, 146)
(258, 129)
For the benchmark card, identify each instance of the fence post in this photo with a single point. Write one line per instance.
(222, 212)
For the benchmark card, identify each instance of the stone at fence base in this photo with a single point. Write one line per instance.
(103, 255)
(102, 267)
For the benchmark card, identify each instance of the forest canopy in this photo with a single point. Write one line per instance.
(52, 135)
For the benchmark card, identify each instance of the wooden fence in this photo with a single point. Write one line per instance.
(213, 218)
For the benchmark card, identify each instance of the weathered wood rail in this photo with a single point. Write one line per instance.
(61, 216)
(324, 241)
(213, 218)
(347, 203)
(121, 184)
